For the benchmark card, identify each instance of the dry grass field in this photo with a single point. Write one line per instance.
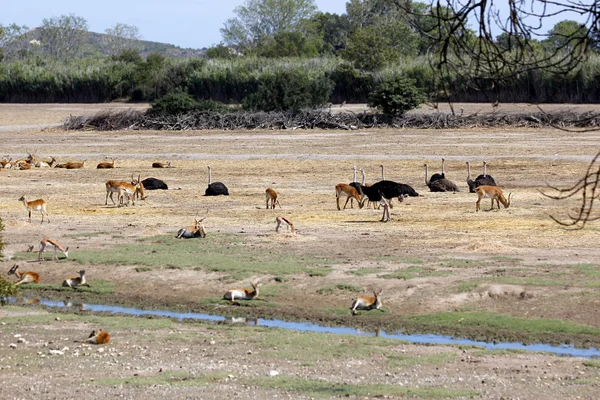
(437, 255)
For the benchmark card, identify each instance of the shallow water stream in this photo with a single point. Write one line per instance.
(563, 350)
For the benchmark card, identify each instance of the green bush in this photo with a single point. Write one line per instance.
(289, 90)
(396, 96)
(182, 103)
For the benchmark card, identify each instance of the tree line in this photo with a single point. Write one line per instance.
(335, 58)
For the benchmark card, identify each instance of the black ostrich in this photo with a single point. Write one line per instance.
(481, 180)
(354, 184)
(440, 185)
(215, 188)
(154, 184)
(389, 189)
(383, 191)
(436, 176)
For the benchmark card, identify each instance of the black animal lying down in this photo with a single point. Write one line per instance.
(154, 184)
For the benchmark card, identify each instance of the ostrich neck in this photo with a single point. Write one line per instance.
(484, 169)
(426, 174)
(382, 173)
(354, 175)
(209, 177)
(468, 171)
(364, 178)
(443, 169)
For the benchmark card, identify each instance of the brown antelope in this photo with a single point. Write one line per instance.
(47, 242)
(35, 205)
(243, 294)
(76, 281)
(367, 302)
(283, 220)
(6, 163)
(271, 197)
(106, 164)
(96, 337)
(350, 193)
(24, 277)
(23, 165)
(124, 188)
(168, 164)
(72, 165)
(494, 193)
(196, 230)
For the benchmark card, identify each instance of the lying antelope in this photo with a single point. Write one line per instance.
(72, 165)
(283, 220)
(47, 242)
(368, 303)
(271, 197)
(24, 277)
(106, 164)
(350, 193)
(96, 337)
(35, 205)
(168, 164)
(192, 231)
(6, 163)
(23, 165)
(494, 193)
(243, 294)
(76, 281)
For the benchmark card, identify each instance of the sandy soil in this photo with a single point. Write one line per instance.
(452, 242)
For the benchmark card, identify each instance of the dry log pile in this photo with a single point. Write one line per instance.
(138, 120)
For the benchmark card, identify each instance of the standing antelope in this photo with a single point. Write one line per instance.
(283, 220)
(96, 337)
(123, 188)
(47, 242)
(35, 205)
(271, 197)
(76, 281)
(24, 277)
(368, 303)
(494, 193)
(196, 230)
(243, 294)
(168, 164)
(350, 193)
(106, 164)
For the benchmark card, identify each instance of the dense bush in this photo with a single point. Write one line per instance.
(396, 96)
(289, 90)
(181, 103)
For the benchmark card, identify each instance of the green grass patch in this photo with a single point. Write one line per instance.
(106, 322)
(464, 287)
(96, 287)
(461, 263)
(493, 321)
(506, 258)
(413, 272)
(527, 281)
(322, 389)
(592, 363)
(86, 234)
(340, 286)
(364, 271)
(217, 252)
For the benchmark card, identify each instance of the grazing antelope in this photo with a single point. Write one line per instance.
(96, 337)
(368, 303)
(494, 193)
(350, 193)
(271, 197)
(35, 205)
(124, 188)
(192, 231)
(76, 281)
(72, 165)
(243, 294)
(106, 164)
(24, 277)
(283, 220)
(47, 242)
(168, 164)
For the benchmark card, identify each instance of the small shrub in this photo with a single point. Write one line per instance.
(6, 289)
(396, 96)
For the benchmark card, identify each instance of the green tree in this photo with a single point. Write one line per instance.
(259, 20)
(333, 29)
(396, 96)
(65, 36)
(9, 36)
(290, 44)
(566, 35)
(121, 37)
(221, 51)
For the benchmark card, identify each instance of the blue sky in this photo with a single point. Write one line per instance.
(185, 23)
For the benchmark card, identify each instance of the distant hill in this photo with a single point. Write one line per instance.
(95, 43)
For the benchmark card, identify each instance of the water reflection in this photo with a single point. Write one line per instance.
(565, 350)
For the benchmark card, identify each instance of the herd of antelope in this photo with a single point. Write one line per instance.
(484, 186)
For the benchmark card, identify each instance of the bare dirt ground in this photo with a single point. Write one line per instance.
(513, 261)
